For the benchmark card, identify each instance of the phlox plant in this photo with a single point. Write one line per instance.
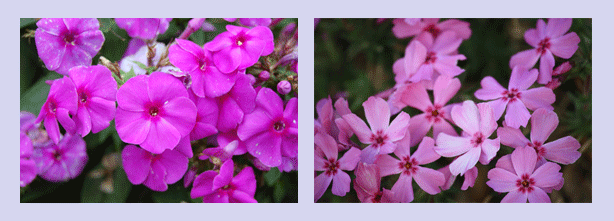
(453, 110)
(159, 110)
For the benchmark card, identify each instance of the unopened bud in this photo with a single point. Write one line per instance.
(284, 87)
(264, 75)
(561, 69)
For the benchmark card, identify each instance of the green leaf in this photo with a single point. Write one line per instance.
(121, 187)
(23, 22)
(106, 24)
(34, 98)
(272, 176)
(92, 191)
(94, 140)
(176, 193)
(125, 77)
(279, 192)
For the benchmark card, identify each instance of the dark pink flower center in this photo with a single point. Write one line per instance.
(202, 64)
(82, 97)
(241, 38)
(154, 111)
(331, 167)
(543, 45)
(478, 139)
(52, 106)
(69, 38)
(408, 165)
(525, 183)
(379, 138)
(511, 95)
(433, 29)
(431, 57)
(539, 149)
(377, 198)
(434, 113)
(279, 126)
(57, 155)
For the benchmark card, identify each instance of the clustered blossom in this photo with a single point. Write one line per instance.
(430, 63)
(181, 100)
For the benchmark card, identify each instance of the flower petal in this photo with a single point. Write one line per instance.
(526, 59)
(517, 114)
(512, 137)
(563, 151)
(377, 113)
(321, 183)
(137, 163)
(543, 123)
(451, 146)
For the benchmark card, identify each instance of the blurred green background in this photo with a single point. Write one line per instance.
(102, 172)
(354, 57)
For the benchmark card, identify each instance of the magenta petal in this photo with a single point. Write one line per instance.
(102, 112)
(540, 97)
(84, 121)
(52, 127)
(538, 196)
(543, 123)
(250, 52)
(270, 102)
(403, 189)
(244, 94)
(228, 59)
(546, 65)
(217, 83)
(350, 159)
(175, 164)
(266, 35)
(130, 127)
(163, 87)
(563, 151)
(185, 147)
(377, 113)
(185, 55)
(526, 59)
(155, 180)
(451, 146)
(429, 180)
(27, 172)
(501, 180)
(388, 165)
(523, 160)
(245, 181)
(465, 162)
(136, 163)
(162, 136)
(221, 41)
(131, 95)
(565, 46)
(220, 197)
(231, 115)
(517, 114)
(225, 175)
(64, 119)
(266, 147)
(512, 137)
(522, 78)
(203, 184)
(180, 113)
(241, 197)
(341, 183)
(321, 183)
(254, 123)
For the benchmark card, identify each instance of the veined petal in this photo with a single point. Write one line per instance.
(429, 180)
(450, 146)
(543, 123)
(563, 151)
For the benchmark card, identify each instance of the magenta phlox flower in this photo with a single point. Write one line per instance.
(96, 91)
(543, 123)
(408, 166)
(144, 28)
(367, 185)
(469, 181)
(206, 117)
(224, 139)
(517, 98)
(233, 105)
(63, 43)
(270, 129)
(27, 124)
(548, 40)
(523, 179)
(154, 111)
(207, 80)
(27, 166)
(63, 161)
(155, 171)
(61, 103)
(253, 22)
(383, 133)
(288, 164)
(436, 114)
(333, 167)
(478, 122)
(427, 57)
(222, 187)
(407, 27)
(239, 47)
(219, 155)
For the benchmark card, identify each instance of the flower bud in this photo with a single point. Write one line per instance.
(264, 75)
(284, 87)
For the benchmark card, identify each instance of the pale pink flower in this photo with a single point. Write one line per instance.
(333, 167)
(543, 123)
(519, 175)
(478, 122)
(517, 98)
(382, 133)
(408, 167)
(367, 185)
(436, 114)
(547, 39)
(407, 27)
(469, 181)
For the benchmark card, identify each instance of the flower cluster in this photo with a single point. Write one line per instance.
(384, 147)
(198, 112)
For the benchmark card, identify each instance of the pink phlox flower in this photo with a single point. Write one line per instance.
(219, 155)
(333, 167)
(469, 181)
(345, 131)
(271, 130)
(330, 122)
(383, 133)
(144, 28)
(367, 185)
(517, 98)
(155, 171)
(234, 105)
(557, 75)
(63, 43)
(548, 40)
(253, 22)
(96, 91)
(436, 114)
(407, 27)
(63, 161)
(239, 47)
(207, 80)
(206, 117)
(478, 123)
(154, 111)
(519, 175)
(427, 57)
(61, 103)
(27, 165)
(543, 123)
(408, 166)
(222, 187)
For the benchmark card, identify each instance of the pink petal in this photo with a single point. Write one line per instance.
(137, 163)
(350, 159)
(547, 175)
(266, 147)
(369, 153)
(415, 96)
(425, 153)
(498, 107)
(429, 180)
(321, 183)
(443, 127)
(341, 183)
(465, 162)
(424, 73)
(501, 180)
(489, 150)
(543, 123)
(327, 144)
(224, 176)
(403, 147)
(403, 189)
(515, 196)
(546, 65)
(388, 165)
(175, 164)
(557, 27)
(418, 127)
(132, 95)
(522, 78)
(162, 135)
(367, 178)
(398, 127)
(359, 127)
(445, 88)
(403, 30)
(491, 89)
(446, 43)
(538, 196)
(447, 65)
(415, 55)
(531, 37)
(523, 160)
(461, 28)
(470, 176)
(488, 123)
(451, 146)
(377, 114)
(540, 97)
(526, 59)
(512, 137)
(565, 46)
(466, 117)
(517, 114)
(131, 127)
(563, 151)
